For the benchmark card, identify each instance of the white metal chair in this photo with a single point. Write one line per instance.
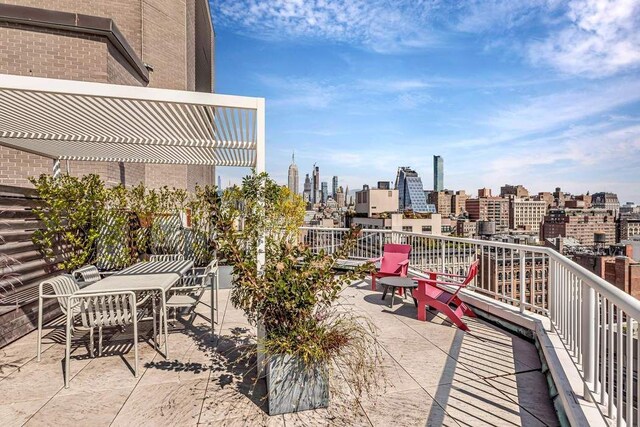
(102, 310)
(63, 287)
(86, 275)
(166, 257)
(190, 291)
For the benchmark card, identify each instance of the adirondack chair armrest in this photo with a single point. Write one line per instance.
(405, 262)
(375, 259)
(444, 274)
(436, 282)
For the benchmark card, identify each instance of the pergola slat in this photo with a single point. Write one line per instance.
(70, 120)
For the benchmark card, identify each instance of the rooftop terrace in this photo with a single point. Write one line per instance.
(435, 375)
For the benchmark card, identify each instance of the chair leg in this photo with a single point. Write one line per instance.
(91, 343)
(422, 311)
(100, 341)
(135, 346)
(67, 354)
(153, 316)
(39, 327)
(373, 282)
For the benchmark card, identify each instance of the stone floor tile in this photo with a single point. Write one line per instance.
(528, 390)
(412, 407)
(16, 414)
(39, 380)
(163, 404)
(99, 408)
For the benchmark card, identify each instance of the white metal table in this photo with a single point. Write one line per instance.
(177, 267)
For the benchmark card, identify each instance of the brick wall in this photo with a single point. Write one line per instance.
(161, 32)
(126, 13)
(202, 175)
(165, 48)
(31, 51)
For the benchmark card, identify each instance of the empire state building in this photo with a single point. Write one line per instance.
(293, 176)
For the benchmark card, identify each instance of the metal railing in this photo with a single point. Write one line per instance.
(596, 321)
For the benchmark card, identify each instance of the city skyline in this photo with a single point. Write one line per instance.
(544, 93)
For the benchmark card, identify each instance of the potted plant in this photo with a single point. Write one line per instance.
(293, 296)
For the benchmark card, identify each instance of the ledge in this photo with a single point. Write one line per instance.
(75, 22)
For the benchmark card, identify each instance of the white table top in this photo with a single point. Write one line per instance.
(142, 282)
(144, 268)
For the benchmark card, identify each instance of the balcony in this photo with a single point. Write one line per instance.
(558, 346)
(435, 375)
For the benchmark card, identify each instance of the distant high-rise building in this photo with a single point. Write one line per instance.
(411, 192)
(293, 175)
(438, 173)
(219, 182)
(306, 195)
(340, 197)
(325, 192)
(334, 187)
(315, 185)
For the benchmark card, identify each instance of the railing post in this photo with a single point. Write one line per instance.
(523, 281)
(442, 262)
(588, 338)
(551, 286)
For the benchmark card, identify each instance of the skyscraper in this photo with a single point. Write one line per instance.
(307, 189)
(315, 185)
(334, 187)
(411, 192)
(325, 192)
(294, 180)
(438, 173)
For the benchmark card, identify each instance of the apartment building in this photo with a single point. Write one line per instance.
(580, 224)
(458, 201)
(153, 43)
(526, 215)
(442, 201)
(629, 226)
(374, 201)
(489, 208)
(425, 224)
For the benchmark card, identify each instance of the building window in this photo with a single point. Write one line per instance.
(426, 229)
(407, 228)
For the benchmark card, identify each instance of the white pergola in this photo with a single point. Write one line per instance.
(72, 120)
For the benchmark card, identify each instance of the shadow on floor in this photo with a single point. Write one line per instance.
(232, 361)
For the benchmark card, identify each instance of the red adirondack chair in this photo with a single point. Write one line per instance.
(393, 262)
(429, 294)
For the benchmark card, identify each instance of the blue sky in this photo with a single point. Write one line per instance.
(540, 93)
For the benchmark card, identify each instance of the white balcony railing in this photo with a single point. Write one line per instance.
(596, 321)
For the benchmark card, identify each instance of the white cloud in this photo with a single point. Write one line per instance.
(379, 25)
(491, 15)
(601, 39)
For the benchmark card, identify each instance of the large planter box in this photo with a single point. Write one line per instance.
(293, 387)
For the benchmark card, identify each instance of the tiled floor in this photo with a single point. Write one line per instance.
(436, 375)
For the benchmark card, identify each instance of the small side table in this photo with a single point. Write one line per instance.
(406, 283)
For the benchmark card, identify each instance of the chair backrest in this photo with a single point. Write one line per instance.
(392, 255)
(62, 285)
(98, 310)
(166, 257)
(86, 274)
(473, 271)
